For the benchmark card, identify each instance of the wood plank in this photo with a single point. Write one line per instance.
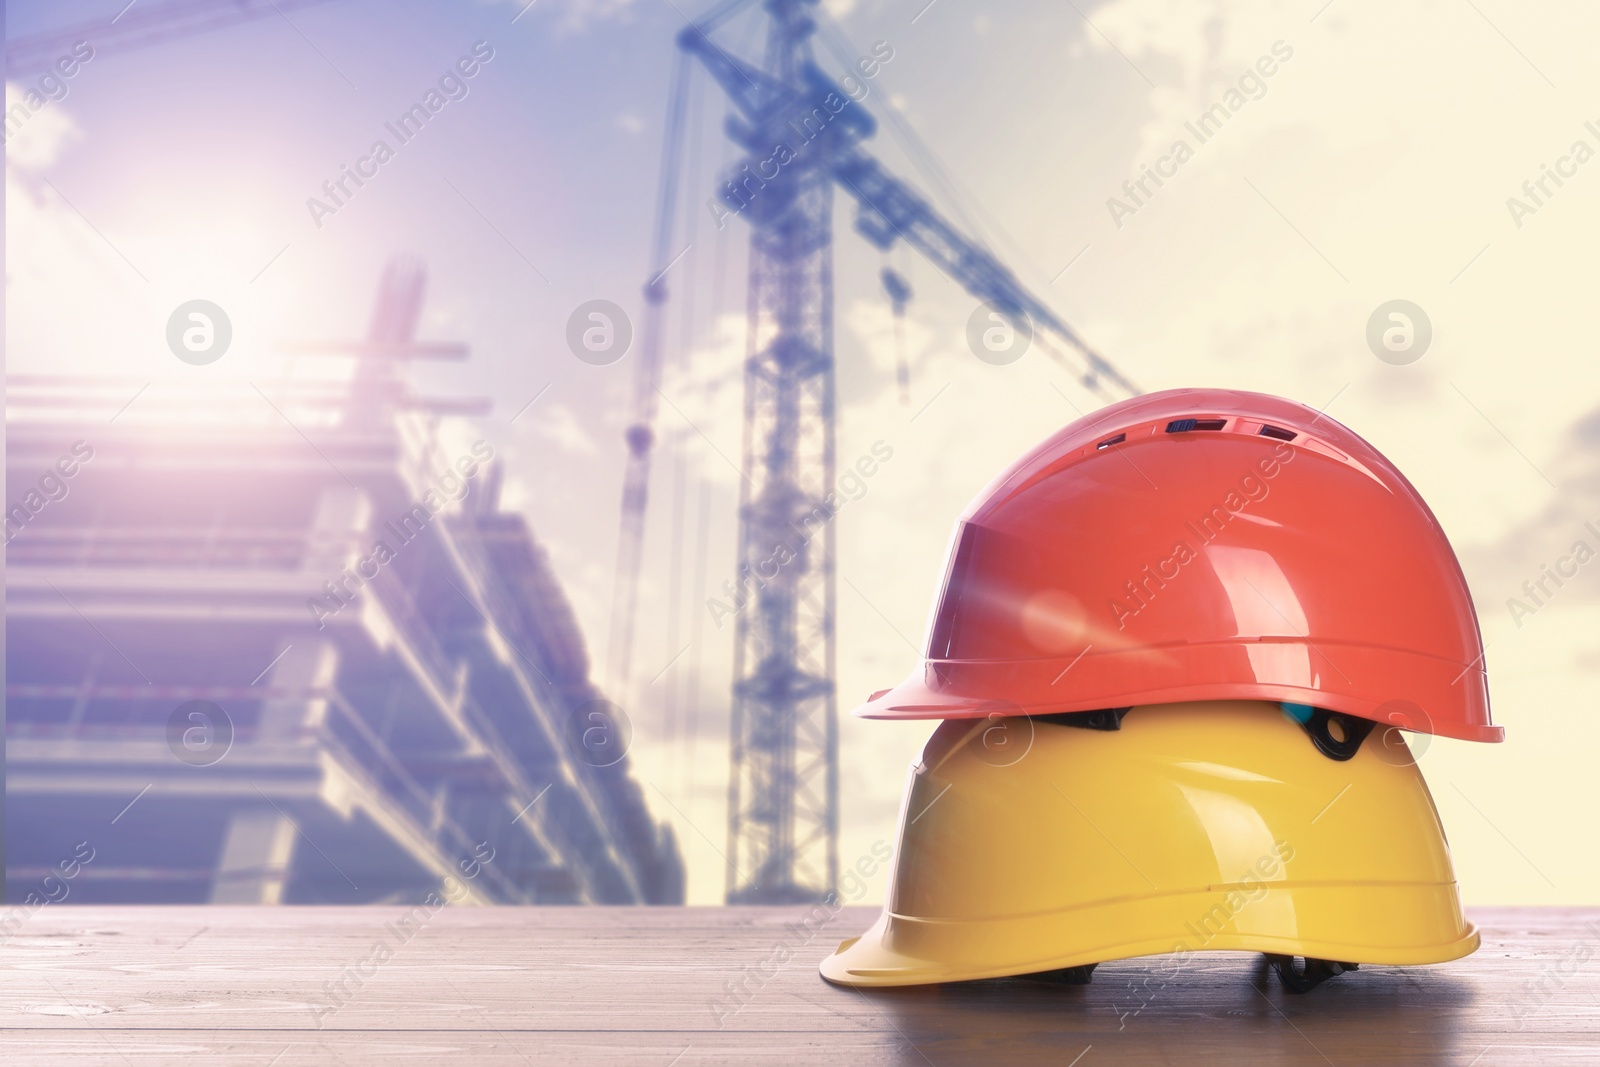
(238, 985)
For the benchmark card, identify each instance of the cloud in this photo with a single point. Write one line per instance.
(58, 264)
(700, 392)
(578, 15)
(558, 424)
(1523, 552)
(35, 137)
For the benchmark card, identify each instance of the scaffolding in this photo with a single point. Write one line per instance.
(372, 721)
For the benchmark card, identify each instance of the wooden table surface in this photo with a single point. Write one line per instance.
(284, 986)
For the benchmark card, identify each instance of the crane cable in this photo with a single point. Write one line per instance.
(684, 366)
(640, 431)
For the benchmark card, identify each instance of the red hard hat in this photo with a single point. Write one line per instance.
(1202, 544)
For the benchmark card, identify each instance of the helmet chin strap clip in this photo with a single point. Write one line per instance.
(1100, 719)
(1336, 735)
(1310, 974)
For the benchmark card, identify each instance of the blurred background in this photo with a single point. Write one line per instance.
(320, 582)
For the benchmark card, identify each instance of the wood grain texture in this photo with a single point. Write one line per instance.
(236, 985)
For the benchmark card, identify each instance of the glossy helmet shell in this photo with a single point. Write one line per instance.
(1028, 846)
(1202, 544)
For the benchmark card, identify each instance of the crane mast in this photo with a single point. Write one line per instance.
(783, 798)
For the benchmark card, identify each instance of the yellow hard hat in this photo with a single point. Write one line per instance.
(1029, 846)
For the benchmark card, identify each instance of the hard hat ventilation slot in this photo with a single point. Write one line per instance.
(1100, 719)
(1108, 442)
(1185, 425)
(1277, 432)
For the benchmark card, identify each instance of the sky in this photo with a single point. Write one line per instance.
(1383, 158)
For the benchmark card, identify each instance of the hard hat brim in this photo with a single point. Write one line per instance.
(873, 960)
(956, 689)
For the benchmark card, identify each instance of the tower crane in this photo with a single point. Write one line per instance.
(802, 135)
